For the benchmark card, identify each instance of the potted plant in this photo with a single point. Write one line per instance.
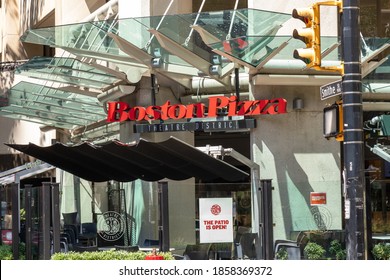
(281, 254)
(337, 251)
(381, 251)
(314, 251)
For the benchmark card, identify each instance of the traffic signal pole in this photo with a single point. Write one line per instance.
(353, 145)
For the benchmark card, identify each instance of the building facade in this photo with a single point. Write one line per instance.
(94, 71)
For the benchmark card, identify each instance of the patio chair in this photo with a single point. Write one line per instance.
(75, 230)
(81, 248)
(151, 243)
(134, 248)
(247, 246)
(70, 218)
(89, 234)
(197, 252)
(240, 231)
(294, 248)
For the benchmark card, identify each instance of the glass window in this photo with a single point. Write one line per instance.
(218, 5)
(378, 173)
(375, 18)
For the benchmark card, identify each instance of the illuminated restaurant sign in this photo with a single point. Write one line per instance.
(121, 111)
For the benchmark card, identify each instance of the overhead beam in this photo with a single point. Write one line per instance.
(373, 60)
(188, 56)
(131, 50)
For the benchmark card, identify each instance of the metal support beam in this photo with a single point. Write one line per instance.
(188, 56)
(29, 221)
(55, 216)
(374, 60)
(266, 220)
(45, 208)
(131, 50)
(163, 223)
(15, 211)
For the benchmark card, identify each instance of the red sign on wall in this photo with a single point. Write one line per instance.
(317, 198)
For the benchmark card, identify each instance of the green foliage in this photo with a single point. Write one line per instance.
(337, 251)
(381, 251)
(106, 255)
(22, 214)
(6, 252)
(314, 251)
(282, 254)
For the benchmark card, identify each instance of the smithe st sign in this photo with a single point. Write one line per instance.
(121, 111)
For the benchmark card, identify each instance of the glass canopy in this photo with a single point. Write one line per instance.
(246, 37)
(81, 39)
(92, 38)
(51, 107)
(67, 70)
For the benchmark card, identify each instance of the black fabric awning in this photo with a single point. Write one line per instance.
(172, 159)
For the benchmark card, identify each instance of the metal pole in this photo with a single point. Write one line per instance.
(267, 221)
(45, 208)
(353, 131)
(55, 216)
(163, 223)
(28, 220)
(15, 210)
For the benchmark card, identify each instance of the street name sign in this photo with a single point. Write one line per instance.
(331, 90)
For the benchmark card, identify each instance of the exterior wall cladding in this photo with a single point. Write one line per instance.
(289, 148)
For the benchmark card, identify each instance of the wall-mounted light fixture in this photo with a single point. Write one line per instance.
(298, 104)
(158, 59)
(157, 62)
(215, 67)
(215, 70)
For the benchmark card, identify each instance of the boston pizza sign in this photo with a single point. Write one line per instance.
(122, 111)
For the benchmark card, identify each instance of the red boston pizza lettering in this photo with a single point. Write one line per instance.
(120, 111)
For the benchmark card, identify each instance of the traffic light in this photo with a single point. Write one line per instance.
(310, 35)
(333, 121)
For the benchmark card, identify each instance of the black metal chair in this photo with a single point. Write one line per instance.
(151, 243)
(70, 218)
(134, 248)
(241, 230)
(247, 248)
(75, 229)
(81, 248)
(71, 234)
(88, 234)
(197, 252)
(294, 248)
